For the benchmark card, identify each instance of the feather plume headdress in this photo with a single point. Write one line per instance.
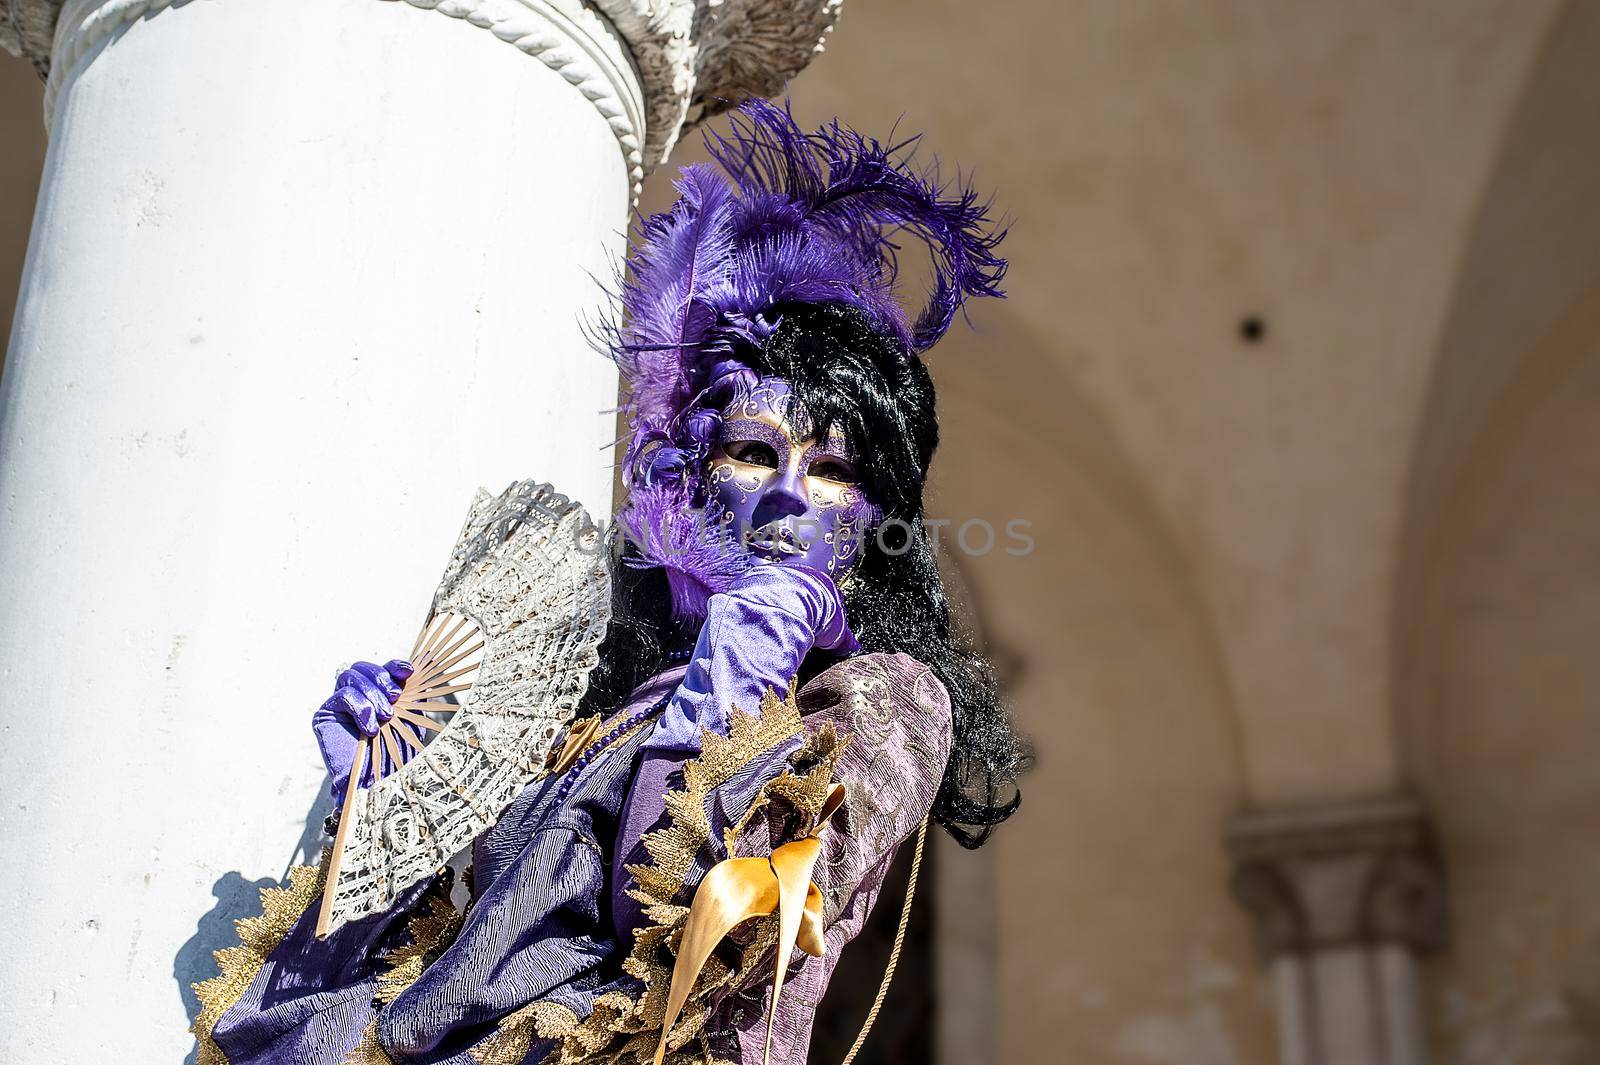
(791, 218)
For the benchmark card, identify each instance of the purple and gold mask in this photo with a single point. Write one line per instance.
(788, 497)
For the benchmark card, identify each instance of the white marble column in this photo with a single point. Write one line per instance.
(303, 274)
(1345, 897)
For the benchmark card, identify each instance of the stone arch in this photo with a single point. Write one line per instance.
(1497, 589)
(1531, 256)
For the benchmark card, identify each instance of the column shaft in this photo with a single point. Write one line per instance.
(302, 276)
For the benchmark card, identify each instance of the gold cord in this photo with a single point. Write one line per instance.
(899, 941)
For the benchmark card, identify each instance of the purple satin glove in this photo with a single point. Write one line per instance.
(753, 640)
(362, 701)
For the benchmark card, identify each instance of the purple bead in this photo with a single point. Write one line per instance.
(595, 749)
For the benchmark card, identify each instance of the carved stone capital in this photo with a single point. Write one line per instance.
(1341, 874)
(26, 29)
(698, 57)
(651, 67)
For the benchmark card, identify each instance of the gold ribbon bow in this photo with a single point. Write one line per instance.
(738, 889)
(579, 735)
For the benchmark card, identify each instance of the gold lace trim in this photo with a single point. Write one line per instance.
(368, 1051)
(623, 1029)
(432, 930)
(259, 936)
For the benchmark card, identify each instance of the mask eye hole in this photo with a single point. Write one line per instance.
(752, 453)
(832, 469)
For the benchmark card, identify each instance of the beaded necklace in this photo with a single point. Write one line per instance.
(617, 731)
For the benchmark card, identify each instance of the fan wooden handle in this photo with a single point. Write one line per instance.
(351, 784)
(437, 659)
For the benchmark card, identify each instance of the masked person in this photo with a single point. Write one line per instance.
(780, 700)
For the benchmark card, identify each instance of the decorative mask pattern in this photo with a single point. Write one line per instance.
(784, 495)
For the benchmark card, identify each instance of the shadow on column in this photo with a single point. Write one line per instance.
(237, 897)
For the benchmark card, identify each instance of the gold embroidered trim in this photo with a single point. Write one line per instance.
(738, 889)
(432, 930)
(623, 1029)
(259, 936)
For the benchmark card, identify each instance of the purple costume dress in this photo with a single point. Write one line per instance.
(565, 951)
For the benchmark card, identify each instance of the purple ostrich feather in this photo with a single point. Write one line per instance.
(700, 557)
(845, 195)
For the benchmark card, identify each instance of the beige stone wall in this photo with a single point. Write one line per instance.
(1359, 555)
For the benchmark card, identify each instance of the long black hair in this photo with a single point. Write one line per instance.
(848, 375)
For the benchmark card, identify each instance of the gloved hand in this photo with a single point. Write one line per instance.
(753, 640)
(361, 702)
(810, 601)
(816, 591)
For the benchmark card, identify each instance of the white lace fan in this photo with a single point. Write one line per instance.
(512, 637)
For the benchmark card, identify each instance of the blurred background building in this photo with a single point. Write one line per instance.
(1298, 385)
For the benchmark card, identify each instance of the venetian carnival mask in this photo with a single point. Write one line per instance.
(788, 497)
